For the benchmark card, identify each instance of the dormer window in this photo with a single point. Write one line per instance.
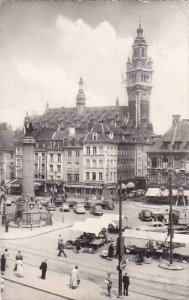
(165, 145)
(176, 145)
(95, 136)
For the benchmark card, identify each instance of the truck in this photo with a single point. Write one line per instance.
(181, 215)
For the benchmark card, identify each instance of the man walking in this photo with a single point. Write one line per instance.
(61, 248)
(43, 268)
(126, 284)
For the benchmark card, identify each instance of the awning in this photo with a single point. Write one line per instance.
(130, 185)
(163, 193)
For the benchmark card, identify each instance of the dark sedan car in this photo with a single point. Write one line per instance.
(146, 215)
(96, 210)
(107, 204)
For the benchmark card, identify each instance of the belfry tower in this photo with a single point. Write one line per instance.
(139, 81)
(80, 99)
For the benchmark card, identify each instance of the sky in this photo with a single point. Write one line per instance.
(45, 46)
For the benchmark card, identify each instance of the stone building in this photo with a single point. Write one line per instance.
(170, 154)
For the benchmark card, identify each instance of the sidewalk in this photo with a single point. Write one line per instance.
(23, 233)
(58, 284)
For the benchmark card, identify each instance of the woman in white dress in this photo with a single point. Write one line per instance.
(19, 271)
(74, 277)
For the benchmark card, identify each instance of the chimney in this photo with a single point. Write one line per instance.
(176, 119)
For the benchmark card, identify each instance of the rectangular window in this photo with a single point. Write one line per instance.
(77, 177)
(88, 163)
(18, 162)
(51, 168)
(36, 167)
(111, 176)
(88, 150)
(94, 163)
(101, 150)
(43, 156)
(77, 153)
(87, 176)
(93, 175)
(69, 176)
(94, 150)
(100, 176)
(59, 157)
(69, 153)
(43, 168)
(36, 156)
(77, 165)
(59, 168)
(100, 163)
(51, 157)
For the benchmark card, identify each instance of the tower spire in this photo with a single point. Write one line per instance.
(80, 99)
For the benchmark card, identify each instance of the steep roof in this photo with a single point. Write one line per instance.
(102, 132)
(177, 133)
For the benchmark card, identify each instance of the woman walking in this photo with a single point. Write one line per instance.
(19, 268)
(74, 277)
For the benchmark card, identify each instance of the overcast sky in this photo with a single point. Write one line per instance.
(45, 46)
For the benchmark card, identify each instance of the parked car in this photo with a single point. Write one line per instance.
(96, 210)
(107, 204)
(146, 215)
(58, 200)
(154, 226)
(44, 200)
(8, 201)
(79, 208)
(65, 207)
(51, 206)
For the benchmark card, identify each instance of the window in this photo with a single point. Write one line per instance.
(94, 150)
(59, 157)
(51, 168)
(100, 149)
(95, 136)
(36, 167)
(88, 163)
(69, 153)
(59, 168)
(176, 145)
(154, 163)
(43, 168)
(165, 162)
(69, 164)
(36, 156)
(18, 162)
(51, 157)
(87, 176)
(77, 153)
(43, 156)
(69, 176)
(42, 176)
(77, 177)
(100, 176)
(165, 145)
(94, 163)
(93, 175)
(18, 151)
(100, 163)
(77, 165)
(88, 150)
(111, 176)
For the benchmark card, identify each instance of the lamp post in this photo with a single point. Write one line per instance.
(120, 246)
(171, 218)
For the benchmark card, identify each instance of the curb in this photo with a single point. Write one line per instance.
(31, 236)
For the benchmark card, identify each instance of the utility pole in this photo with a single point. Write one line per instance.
(120, 246)
(171, 218)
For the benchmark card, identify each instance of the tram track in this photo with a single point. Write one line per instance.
(87, 272)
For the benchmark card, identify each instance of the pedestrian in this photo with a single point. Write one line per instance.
(126, 284)
(6, 225)
(111, 251)
(43, 268)
(19, 268)
(109, 282)
(3, 264)
(78, 245)
(59, 241)
(74, 277)
(6, 256)
(61, 248)
(18, 256)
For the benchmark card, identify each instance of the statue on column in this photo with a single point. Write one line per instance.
(28, 128)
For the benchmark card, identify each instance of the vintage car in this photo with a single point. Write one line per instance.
(65, 207)
(154, 226)
(96, 210)
(146, 215)
(51, 206)
(79, 208)
(58, 200)
(107, 204)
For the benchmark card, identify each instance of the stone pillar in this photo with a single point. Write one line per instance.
(28, 143)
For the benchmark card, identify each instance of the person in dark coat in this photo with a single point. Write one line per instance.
(6, 225)
(126, 284)
(111, 251)
(3, 264)
(61, 248)
(43, 268)
(78, 245)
